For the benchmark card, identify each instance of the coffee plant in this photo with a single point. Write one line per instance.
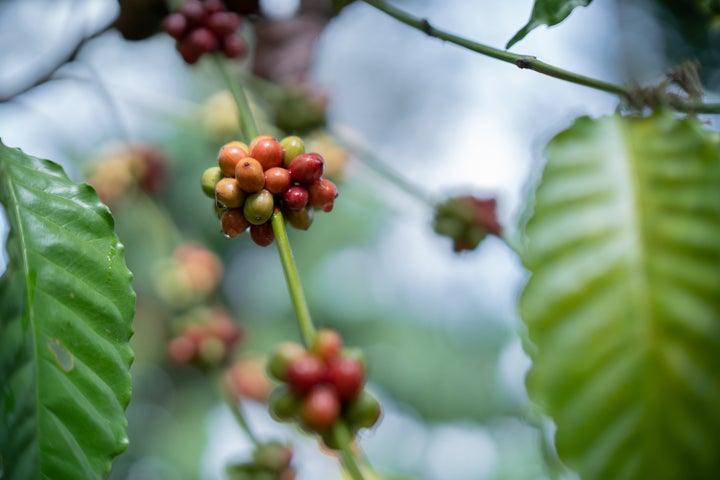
(620, 238)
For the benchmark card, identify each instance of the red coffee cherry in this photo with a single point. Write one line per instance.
(228, 193)
(267, 151)
(193, 11)
(249, 174)
(320, 408)
(347, 376)
(322, 194)
(305, 372)
(326, 344)
(175, 25)
(306, 168)
(181, 349)
(229, 156)
(233, 46)
(189, 52)
(223, 23)
(277, 180)
(233, 222)
(263, 234)
(203, 39)
(300, 219)
(296, 197)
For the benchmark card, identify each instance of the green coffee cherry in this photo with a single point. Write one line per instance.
(259, 207)
(210, 178)
(283, 404)
(363, 411)
(292, 146)
(300, 219)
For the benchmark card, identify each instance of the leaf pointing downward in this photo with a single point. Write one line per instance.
(547, 12)
(66, 309)
(623, 305)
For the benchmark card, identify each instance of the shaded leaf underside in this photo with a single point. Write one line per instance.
(623, 305)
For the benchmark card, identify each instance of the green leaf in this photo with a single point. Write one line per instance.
(547, 12)
(623, 304)
(66, 308)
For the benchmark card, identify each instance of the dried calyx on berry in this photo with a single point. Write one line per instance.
(321, 386)
(205, 26)
(252, 181)
(467, 220)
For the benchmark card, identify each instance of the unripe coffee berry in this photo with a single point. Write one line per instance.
(210, 178)
(259, 207)
(292, 147)
(249, 174)
(233, 222)
(277, 180)
(263, 235)
(305, 372)
(229, 156)
(282, 357)
(300, 219)
(326, 344)
(306, 168)
(363, 411)
(296, 197)
(268, 152)
(320, 408)
(347, 376)
(228, 193)
(283, 404)
(322, 193)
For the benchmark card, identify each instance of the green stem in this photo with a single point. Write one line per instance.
(245, 116)
(528, 61)
(343, 438)
(307, 330)
(240, 418)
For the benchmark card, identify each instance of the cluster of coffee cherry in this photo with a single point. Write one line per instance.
(250, 182)
(206, 339)
(204, 27)
(321, 386)
(467, 220)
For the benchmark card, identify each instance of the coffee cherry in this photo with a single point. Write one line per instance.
(233, 222)
(223, 23)
(189, 51)
(347, 376)
(273, 456)
(300, 219)
(249, 174)
(193, 11)
(175, 25)
(323, 193)
(212, 351)
(229, 156)
(277, 180)
(210, 178)
(292, 147)
(233, 46)
(259, 207)
(283, 404)
(363, 411)
(263, 234)
(320, 408)
(203, 39)
(267, 151)
(296, 197)
(305, 372)
(228, 193)
(257, 140)
(212, 6)
(327, 344)
(282, 357)
(181, 349)
(306, 168)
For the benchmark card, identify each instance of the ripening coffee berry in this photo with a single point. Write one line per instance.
(259, 207)
(292, 147)
(300, 219)
(233, 222)
(327, 344)
(323, 193)
(223, 23)
(320, 408)
(305, 372)
(284, 354)
(193, 11)
(229, 156)
(249, 174)
(189, 51)
(228, 193)
(233, 46)
(277, 180)
(210, 178)
(203, 39)
(175, 25)
(212, 351)
(263, 235)
(268, 152)
(363, 411)
(181, 349)
(296, 197)
(283, 404)
(347, 376)
(306, 168)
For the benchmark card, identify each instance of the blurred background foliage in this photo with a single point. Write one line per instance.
(440, 330)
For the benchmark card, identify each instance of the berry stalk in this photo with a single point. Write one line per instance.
(245, 116)
(307, 329)
(342, 437)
